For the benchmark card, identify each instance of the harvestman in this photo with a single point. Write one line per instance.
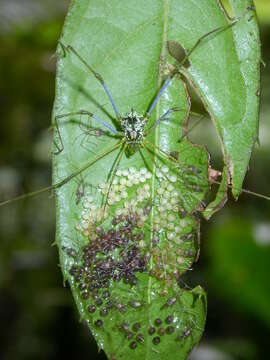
(134, 127)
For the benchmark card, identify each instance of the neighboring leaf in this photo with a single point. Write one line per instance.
(225, 72)
(238, 266)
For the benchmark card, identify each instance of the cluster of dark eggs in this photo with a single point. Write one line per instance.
(112, 255)
(159, 328)
(132, 333)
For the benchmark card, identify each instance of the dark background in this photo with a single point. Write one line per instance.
(38, 319)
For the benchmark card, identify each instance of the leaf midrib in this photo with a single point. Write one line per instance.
(156, 138)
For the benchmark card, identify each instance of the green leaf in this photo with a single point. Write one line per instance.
(147, 237)
(225, 73)
(238, 266)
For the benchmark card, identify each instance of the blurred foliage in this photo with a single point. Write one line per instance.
(38, 319)
(26, 13)
(263, 10)
(237, 265)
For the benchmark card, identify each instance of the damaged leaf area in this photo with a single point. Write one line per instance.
(128, 217)
(225, 72)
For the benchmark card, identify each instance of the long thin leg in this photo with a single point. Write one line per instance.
(197, 43)
(86, 134)
(86, 166)
(65, 180)
(204, 37)
(161, 91)
(59, 149)
(169, 79)
(88, 129)
(159, 94)
(80, 112)
(81, 185)
(151, 154)
(164, 117)
(113, 172)
(193, 187)
(84, 144)
(167, 156)
(144, 159)
(97, 76)
(245, 191)
(90, 163)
